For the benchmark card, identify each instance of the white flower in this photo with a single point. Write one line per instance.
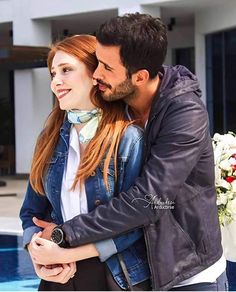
(217, 137)
(224, 147)
(222, 199)
(217, 175)
(224, 184)
(225, 165)
(232, 160)
(217, 154)
(229, 139)
(233, 186)
(231, 206)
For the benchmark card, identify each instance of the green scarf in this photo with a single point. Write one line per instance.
(91, 118)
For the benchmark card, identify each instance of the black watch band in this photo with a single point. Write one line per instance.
(58, 236)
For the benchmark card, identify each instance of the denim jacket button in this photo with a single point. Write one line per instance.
(97, 202)
(93, 173)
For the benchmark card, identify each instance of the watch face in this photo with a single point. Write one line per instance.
(57, 235)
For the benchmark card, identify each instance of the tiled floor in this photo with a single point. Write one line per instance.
(11, 197)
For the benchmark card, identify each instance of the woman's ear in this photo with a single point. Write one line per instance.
(140, 77)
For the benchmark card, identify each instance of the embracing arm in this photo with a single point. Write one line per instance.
(173, 155)
(46, 252)
(106, 248)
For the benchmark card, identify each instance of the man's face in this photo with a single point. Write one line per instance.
(111, 75)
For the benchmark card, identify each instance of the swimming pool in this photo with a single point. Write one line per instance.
(16, 270)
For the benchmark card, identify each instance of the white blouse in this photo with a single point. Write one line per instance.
(74, 202)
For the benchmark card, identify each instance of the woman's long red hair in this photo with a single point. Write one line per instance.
(105, 143)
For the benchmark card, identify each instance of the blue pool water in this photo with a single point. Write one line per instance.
(16, 270)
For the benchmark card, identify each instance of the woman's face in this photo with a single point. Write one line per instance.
(71, 82)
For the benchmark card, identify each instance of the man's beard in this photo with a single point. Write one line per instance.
(125, 90)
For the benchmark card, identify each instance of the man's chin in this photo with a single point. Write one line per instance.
(105, 96)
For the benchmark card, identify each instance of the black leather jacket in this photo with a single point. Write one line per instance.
(174, 198)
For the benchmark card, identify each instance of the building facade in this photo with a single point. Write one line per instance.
(201, 33)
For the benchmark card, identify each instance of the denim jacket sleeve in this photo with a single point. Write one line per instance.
(33, 205)
(109, 247)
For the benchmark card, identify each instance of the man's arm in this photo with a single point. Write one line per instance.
(172, 157)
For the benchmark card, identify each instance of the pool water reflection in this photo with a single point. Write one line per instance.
(16, 270)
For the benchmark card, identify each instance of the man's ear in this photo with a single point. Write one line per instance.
(140, 77)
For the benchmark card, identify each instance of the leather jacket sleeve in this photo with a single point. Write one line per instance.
(175, 142)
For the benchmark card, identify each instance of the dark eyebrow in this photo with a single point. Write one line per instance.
(61, 65)
(105, 64)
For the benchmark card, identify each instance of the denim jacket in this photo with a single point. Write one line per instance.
(130, 245)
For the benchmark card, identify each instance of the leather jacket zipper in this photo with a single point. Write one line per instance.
(151, 266)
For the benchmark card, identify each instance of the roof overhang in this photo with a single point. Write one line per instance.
(22, 57)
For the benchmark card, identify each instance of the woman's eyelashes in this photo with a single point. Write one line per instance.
(53, 74)
(67, 69)
(62, 71)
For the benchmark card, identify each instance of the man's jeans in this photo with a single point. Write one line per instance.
(221, 284)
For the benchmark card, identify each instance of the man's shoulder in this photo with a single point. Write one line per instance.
(182, 99)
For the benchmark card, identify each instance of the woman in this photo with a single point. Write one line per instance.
(87, 152)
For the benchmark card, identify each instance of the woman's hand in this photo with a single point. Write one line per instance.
(59, 274)
(45, 252)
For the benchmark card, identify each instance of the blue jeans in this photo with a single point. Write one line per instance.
(221, 284)
(231, 275)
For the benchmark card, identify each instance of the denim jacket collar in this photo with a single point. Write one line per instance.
(65, 132)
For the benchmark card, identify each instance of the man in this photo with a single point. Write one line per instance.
(174, 198)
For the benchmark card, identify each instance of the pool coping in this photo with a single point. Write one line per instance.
(10, 226)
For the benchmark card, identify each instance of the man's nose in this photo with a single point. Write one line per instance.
(95, 81)
(97, 74)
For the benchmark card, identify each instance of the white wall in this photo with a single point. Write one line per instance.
(31, 87)
(210, 21)
(6, 11)
(45, 8)
(31, 26)
(23, 127)
(29, 83)
(43, 97)
(179, 37)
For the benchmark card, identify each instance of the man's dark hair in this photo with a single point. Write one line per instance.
(142, 40)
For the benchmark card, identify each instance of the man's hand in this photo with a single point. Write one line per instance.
(47, 227)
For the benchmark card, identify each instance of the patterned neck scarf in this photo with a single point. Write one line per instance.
(91, 118)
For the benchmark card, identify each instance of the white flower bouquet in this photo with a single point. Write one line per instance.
(225, 180)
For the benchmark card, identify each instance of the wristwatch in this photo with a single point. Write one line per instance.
(58, 236)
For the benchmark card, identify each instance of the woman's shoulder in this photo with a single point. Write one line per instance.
(133, 132)
(132, 138)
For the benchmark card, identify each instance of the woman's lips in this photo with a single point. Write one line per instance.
(62, 93)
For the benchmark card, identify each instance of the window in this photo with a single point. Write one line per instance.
(221, 83)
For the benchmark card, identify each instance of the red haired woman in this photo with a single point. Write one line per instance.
(87, 153)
